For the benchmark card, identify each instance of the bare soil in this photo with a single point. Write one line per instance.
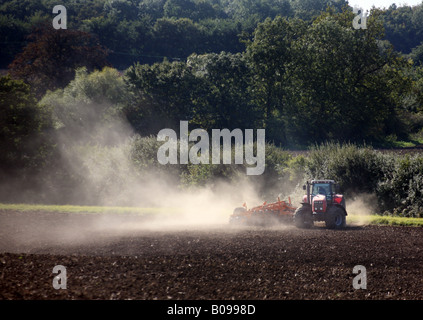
(120, 257)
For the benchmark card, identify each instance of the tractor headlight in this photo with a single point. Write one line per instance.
(318, 205)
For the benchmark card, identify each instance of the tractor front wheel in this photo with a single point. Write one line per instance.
(335, 218)
(303, 217)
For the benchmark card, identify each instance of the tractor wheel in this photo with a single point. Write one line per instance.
(335, 218)
(237, 218)
(303, 217)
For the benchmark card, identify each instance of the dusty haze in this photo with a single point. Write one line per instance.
(100, 155)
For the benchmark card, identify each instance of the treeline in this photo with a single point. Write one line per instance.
(147, 31)
(304, 83)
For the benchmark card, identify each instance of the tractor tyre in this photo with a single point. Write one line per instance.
(335, 218)
(303, 217)
(237, 217)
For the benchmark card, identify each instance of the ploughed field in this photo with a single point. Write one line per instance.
(127, 257)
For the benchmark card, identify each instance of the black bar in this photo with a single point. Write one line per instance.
(210, 309)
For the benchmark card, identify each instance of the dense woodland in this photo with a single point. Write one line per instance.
(147, 31)
(128, 68)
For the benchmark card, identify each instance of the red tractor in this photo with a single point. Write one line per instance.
(321, 203)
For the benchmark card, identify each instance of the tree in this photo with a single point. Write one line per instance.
(177, 38)
(343, 85)
(222, 35)
(22, 9)
(90, 107)
(417, 55)
(162, 95)
(224, 98)
(326, 80)
(122, 9)
(126, 40)
(269, 54)
(23, 143)
(12, 35)
(49, 61)
(210, 90)
(414, 101)
(179, 9)
(310, 9)
(258, 10)
(404, 27)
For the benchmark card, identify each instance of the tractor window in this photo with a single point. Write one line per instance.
(322, 188)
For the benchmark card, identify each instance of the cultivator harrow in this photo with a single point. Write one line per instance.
(265, 214)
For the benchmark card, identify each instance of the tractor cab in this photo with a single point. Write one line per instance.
(322, 189)
(319, 190)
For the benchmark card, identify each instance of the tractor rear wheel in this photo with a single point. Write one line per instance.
(335, 218)
(303, 217)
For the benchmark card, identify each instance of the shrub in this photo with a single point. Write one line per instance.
(401, 190)
(356, 169)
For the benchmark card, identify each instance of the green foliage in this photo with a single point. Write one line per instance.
(133, 32)
(269, 185)
(275, 180)
(212, 91)
(162, 96)
(49, 61)
(401, 190)
(396, 221)
(22, 10)
(22, 122)
(194, 10)
(269, 54)
(223, 98)
(357, 169)
(309, 9)
(143, 155)
(255, 11)
(326, 75)
(12, 35)
(82, 209)
(177, 38)
(415, 99)
(208, 174)
(294, 169)
(356, 103)
(90, 105)
(417, 55)
(404, 27)
(125, 40)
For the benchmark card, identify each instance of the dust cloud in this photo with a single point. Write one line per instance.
(360, 207)
(100, 161)
(111, 177)
(95, 165)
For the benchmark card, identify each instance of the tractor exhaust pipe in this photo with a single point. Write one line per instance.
(307, 187)
(308, 192)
